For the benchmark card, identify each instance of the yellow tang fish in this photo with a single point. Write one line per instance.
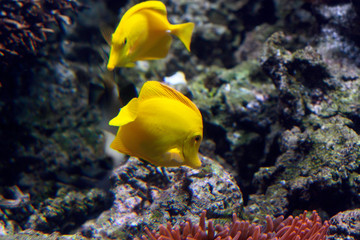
(161, 126)
(144, 34)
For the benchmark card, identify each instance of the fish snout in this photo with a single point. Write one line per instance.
(110, 67)
(113, 59)
(195, 162)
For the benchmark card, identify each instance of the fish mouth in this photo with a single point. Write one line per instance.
(110, 68)
(196, 163)
(193, 161)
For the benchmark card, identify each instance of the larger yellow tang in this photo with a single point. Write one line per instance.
(144, 34)
(162, 126)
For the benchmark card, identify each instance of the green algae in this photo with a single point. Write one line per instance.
(71, 207)
(319, 147)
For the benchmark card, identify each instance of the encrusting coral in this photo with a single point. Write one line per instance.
(298, 228)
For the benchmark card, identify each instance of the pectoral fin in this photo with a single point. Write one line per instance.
(174, 154)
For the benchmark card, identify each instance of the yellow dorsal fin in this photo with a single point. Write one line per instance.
(156, 6)
(152, 89)
(127, 114)
(183, 32)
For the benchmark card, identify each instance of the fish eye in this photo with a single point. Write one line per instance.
(125, 41)
(197, 138)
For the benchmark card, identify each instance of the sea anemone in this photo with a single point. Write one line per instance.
(326, 1)
(298, 228)
(24, 24)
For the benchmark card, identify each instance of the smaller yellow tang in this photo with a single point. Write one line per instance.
(144, 34)
(162, 126)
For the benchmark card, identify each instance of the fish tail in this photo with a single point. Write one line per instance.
(183, 32)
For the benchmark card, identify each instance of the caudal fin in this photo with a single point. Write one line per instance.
(183, 32)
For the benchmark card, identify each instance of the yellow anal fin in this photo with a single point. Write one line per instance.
(127, 114)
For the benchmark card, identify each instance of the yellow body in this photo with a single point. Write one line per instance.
(162, 126)
(144, 34)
